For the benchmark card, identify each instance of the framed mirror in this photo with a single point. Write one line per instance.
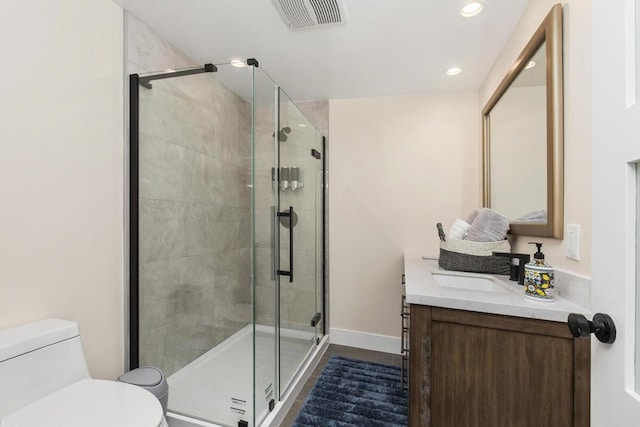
(523, 137)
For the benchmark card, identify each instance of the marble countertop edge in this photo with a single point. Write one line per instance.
(420, 288)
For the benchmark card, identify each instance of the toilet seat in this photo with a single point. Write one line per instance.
(89, 402)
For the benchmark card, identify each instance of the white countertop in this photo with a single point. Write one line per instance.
(422, 289)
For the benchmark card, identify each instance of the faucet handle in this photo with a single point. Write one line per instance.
(516, 271)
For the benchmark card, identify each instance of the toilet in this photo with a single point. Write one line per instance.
(45, 382)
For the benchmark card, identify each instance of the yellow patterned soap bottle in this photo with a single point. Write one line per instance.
(538, 277)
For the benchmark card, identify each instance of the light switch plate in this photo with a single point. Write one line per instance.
(572, 238)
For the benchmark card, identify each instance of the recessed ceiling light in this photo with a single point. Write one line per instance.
(471, 8)
(302, 125)
(454, 71)
(237, 63)
(530, 65)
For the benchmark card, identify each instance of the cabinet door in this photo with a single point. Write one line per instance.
(478, 369)
(489, 377)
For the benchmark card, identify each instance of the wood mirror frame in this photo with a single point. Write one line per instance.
(550, 34)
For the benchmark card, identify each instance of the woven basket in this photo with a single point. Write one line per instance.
(475, 257)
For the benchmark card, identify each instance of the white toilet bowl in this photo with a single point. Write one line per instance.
(94, 403)
(45, 382)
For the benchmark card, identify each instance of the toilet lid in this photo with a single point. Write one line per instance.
(93, 403)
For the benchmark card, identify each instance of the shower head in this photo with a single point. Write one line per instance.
(282, 133)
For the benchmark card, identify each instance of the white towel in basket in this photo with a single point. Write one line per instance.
(488, 226)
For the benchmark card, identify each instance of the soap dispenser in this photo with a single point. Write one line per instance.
(538, 277)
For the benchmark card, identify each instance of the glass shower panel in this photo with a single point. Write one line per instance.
(300, 185)
(195, 241)
(319, 192)
(265, 291)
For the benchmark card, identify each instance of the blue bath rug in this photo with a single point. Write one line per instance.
(355, 393)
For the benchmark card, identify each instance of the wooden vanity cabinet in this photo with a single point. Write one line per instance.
(476, 369)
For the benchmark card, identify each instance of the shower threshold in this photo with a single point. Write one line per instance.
(216, 389)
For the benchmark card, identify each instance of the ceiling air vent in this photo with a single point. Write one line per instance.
(306, 14)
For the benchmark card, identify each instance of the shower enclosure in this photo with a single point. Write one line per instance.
(226, 240)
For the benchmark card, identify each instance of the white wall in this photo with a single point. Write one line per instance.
(398, 166)
(577, 120)
(61, 171)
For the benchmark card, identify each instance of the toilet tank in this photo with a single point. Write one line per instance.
(37, 359)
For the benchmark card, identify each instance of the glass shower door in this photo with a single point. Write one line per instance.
(300, 237)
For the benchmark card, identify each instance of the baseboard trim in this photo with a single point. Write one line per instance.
(365, 340)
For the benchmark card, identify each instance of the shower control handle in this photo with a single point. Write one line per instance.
(288, 214)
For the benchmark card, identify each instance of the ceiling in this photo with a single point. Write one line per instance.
(386, 47)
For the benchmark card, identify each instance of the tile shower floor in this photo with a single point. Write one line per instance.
(351, 352)
(218, 386)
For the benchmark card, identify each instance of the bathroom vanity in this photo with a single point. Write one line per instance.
(481, 354)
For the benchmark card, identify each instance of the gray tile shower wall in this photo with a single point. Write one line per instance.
(318, 113)
(195, 207)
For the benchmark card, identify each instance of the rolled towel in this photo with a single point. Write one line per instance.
(459, 229)
(488, 226)
(472, 215)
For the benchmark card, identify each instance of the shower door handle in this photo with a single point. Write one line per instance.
(291, 224)
(289, 215)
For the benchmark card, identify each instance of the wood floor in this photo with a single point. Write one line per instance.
(351, 352)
